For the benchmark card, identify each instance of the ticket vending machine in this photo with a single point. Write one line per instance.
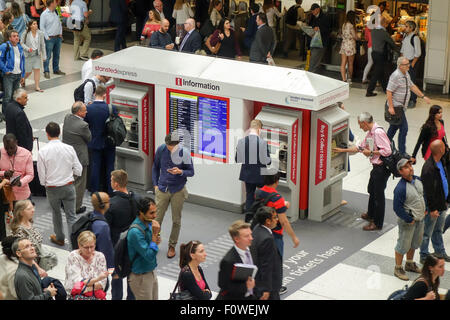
(329, 129)
(135, 154)
(282, 131)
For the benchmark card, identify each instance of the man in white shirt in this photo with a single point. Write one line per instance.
(50, 24)
(411, 50)
(86, 71)
(89, 87)
(81, 32)
(57, 164)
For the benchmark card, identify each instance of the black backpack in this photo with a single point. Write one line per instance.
(390, 162)
(259, 203)
(292, 15)
(423, 51)
(84, 223)
(115, 129)
(78, 93)
(121, 258)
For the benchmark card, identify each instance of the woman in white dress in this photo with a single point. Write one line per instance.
(348, 47)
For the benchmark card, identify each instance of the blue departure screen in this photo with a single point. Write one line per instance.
(206, 121)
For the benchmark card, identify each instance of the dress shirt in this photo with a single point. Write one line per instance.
(16, 69)
(400, 84)
(57, 164)
(77, 10)
(50, 24)
(22, 164)
(89, 90)
(380, 141)
(243, 255)
(408, 51)
(86, 71)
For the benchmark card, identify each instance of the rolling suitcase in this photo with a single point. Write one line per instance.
(37, 190)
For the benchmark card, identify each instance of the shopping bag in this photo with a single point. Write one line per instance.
(316, 41)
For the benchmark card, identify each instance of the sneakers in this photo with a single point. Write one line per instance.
(412, 267)
(443, 256)
(283, 290)
(59, 72)
(400, 273)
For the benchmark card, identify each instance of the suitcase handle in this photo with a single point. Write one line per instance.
(37, 140)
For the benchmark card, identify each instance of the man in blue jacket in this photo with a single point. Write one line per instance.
(102, 155)
(409, 206)
(171, 167)
(250, 31)
(13, 69)
(143, 239)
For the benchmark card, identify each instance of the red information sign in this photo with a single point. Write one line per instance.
(145, 123)
(321, 153)
(294, 154)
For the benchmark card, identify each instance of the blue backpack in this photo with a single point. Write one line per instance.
(398, 294)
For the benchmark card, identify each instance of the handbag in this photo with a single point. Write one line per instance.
(393, 119)
(215, 49)
(181, 295)
(78, 292)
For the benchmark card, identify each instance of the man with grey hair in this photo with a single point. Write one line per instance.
(398, 94)
(77, 134)
(17, 121)
(375, 144)
(192, 41)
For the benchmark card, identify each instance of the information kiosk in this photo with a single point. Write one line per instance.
(211, 102)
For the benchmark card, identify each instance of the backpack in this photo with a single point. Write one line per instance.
(259, 203)
(78, 93)
(292, 15)
(121, 258)
(398, 294)
(84, 223)
(115, 129)
(6, 52)
(390, 162)
(423, 52)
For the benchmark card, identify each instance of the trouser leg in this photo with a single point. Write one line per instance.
(54, 199)
(176, 202)
(80, 187)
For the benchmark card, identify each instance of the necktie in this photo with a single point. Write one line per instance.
(249, 257)
(184, 41)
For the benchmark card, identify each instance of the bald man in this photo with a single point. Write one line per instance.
(435, 184)
(100, 227)
(161, 39)
(192, 41)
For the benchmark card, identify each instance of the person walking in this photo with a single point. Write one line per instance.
(51, 25)
(33, 43)
(398, 92)
(369, 64)
(76, 133)
(172, 166)
(374, 145)
(435, 181)
(17, 121)
(119, 17)
(411, 50)
(348, 46)
(409, 206)
(81, 32)
(294, 14)
(57, 165)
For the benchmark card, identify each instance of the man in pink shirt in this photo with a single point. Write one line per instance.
(16, 161)
(375, 144)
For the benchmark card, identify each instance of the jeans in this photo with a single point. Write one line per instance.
(117, 290)
(66, 195)
(377, 184)
(52, 45)
(11, 83)
(433, 229)
(401, 135)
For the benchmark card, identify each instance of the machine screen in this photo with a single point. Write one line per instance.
(205, 118)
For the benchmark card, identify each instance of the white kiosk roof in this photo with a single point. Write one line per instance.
(223, 77)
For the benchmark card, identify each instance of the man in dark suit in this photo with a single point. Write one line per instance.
(119, 17)
(142, 9)
(102, 155)
(250, 31)
(264, 41)
(192, 41)
(231, 289)
(17, 121)
(77, 134)
(268, 260)
(253, 152)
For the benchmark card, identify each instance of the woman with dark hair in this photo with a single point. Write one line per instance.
(433, 129)
(8, 267)
(226, 38)
(427, 285)
(348, 46)
(191, 275)
(215, 8)
(151, 25)
(33, 43)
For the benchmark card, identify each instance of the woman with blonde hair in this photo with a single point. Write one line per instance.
(214, 12)
(181, 12)
(20, 19)
(86, 265)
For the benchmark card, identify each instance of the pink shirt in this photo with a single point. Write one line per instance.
(201, 284)
(22, 164)
(380, 142)
(440, 136)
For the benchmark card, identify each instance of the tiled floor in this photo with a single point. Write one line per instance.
(365, 274)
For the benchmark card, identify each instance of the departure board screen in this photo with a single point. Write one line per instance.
(206, 120)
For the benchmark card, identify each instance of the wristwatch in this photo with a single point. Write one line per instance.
(371, 153)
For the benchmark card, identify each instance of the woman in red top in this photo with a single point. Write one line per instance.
(368, 37)
(153, 24)
(433, 129)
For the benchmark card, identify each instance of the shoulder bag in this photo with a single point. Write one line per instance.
(214, 50)
(396, 119)
(181, 295)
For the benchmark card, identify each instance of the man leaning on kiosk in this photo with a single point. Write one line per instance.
(375, 144)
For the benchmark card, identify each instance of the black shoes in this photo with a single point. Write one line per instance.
(81, 210)
(371, 94)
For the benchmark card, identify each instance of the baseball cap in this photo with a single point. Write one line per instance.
(401, 163)
(314, 6)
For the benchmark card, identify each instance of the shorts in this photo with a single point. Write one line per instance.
(409, 236)
(33, 62)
